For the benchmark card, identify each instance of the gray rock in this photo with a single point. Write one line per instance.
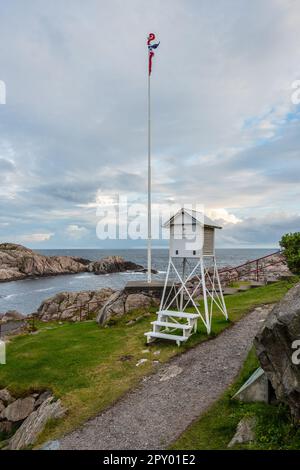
(5, 396)
(275, 352)
(6, 427)
(2, 406)
(122, 302)
(244, 432)
(18, 410)
(51, 445)
(19, 262)
(43, 397)
(12, 315)
(256, 388)
(136, 301)
(73, 306)
(114, 307)
(114, 264)
(30, 429)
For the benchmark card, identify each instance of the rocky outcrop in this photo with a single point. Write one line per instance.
(274, 266)
(114, 264)
(122, 302)
(5, 397)
(18, 262)
(18, 410)
(34, 424)
(276, 346)
(11, 315)
(73, 306)
(26, 417)
(244, 432)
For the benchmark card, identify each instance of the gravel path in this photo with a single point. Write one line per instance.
(161, 408)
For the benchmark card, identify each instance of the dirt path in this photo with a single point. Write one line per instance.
(157, 412)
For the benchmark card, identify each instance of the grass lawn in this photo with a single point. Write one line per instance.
(84, 364)
(214, 430)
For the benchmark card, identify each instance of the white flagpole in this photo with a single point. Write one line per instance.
(149, 182)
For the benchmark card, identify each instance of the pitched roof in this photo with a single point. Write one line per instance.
(197, 217)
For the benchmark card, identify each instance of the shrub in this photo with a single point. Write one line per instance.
(290, 242)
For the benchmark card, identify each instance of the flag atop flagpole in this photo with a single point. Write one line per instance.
(151, 48)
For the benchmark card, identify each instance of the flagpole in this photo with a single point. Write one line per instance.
(149, 181)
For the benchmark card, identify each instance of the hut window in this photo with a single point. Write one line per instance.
(194, 252)
(176, 252)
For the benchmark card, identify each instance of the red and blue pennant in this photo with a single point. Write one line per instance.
(151, 49)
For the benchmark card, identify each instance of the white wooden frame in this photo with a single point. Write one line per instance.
(211, 290)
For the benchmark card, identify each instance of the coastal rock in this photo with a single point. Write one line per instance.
(114, 307)
(35, 423)
(44, 396)
(114, 264)
(122, 302)
(18, 410)
(135, 301)
(244, 432)
(18, 262)
(6, 397)
(73, 306)
(274, 266)
(6, 427)
(276, 346)
(11, 315)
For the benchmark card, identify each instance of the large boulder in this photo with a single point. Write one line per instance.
(114, 264)
(245, 432)
(18, 410)
(11, 315)
(275, 345)
(5, 396)
(34, 424)
(73, 306)
(122, 302)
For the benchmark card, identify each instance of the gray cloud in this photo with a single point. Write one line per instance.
(224, 130)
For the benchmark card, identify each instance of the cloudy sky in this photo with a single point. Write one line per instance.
(73, 131)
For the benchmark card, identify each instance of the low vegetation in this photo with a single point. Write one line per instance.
(89, 367)
(290, 242)
(213, 431)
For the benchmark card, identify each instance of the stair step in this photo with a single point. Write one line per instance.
(230, 290)
(256, 284)
(286, 276)
(271, 280)
(167, 324)
(175, 314)
(152, 334)
(244, 288)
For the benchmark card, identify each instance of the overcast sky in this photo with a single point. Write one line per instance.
(73, 133)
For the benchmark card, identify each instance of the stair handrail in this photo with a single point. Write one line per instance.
(256, 261)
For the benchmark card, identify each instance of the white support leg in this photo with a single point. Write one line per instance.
(220, 290)
(165, 286)
(206, 312)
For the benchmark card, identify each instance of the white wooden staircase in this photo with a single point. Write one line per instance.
(170, 321)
